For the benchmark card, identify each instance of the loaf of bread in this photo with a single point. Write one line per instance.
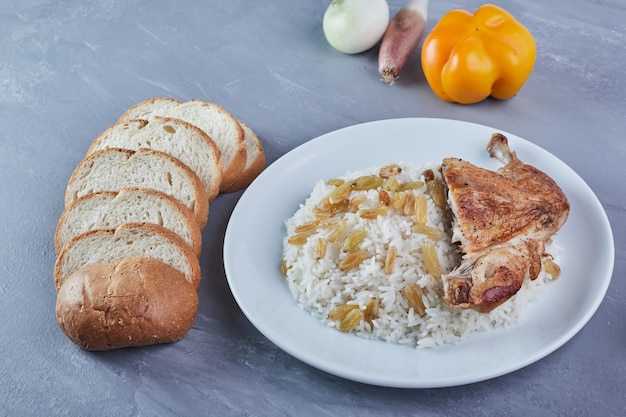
(221, 126)
(180, 139)
(128, 240)
(132, 302)
(113, 169)
(111, 209)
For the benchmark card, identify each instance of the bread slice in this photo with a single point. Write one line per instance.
(213, 119)
(133, 302)
(255, 162)
(175, 137)
(111, 209)
(113, 169)
(146, 240)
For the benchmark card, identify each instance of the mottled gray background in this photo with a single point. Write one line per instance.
(68, 69)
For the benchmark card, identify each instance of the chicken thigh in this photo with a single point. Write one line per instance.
(502, 221)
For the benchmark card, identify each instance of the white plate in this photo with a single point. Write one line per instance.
(253, 252)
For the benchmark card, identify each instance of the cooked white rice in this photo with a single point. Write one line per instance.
(318, 285)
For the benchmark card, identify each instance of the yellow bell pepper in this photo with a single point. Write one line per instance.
(469, 57)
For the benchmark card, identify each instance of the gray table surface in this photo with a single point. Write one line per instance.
(69, 69)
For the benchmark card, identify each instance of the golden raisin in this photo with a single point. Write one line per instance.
(389, 170)
(340, 312)
(366, 182)
(372, 213)
(351, 320)
(354, 239)
(413, 296)
(353, 260)
(384, 198)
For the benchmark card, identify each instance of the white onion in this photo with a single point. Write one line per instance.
(353, 26)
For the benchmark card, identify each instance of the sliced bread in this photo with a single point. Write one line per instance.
(176, 137)
(113, 169)
(146, 240)
(111, 209)
(213, 119)
(255, 162)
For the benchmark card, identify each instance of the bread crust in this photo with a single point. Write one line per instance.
(254, 165)
(108, 236)
(133, 302)
(90, 221)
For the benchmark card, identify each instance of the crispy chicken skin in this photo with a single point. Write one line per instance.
(502, 221)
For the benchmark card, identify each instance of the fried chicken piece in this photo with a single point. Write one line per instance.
(502, 221)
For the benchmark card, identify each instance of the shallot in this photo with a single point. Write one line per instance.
(354, 26)
(402, 36)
